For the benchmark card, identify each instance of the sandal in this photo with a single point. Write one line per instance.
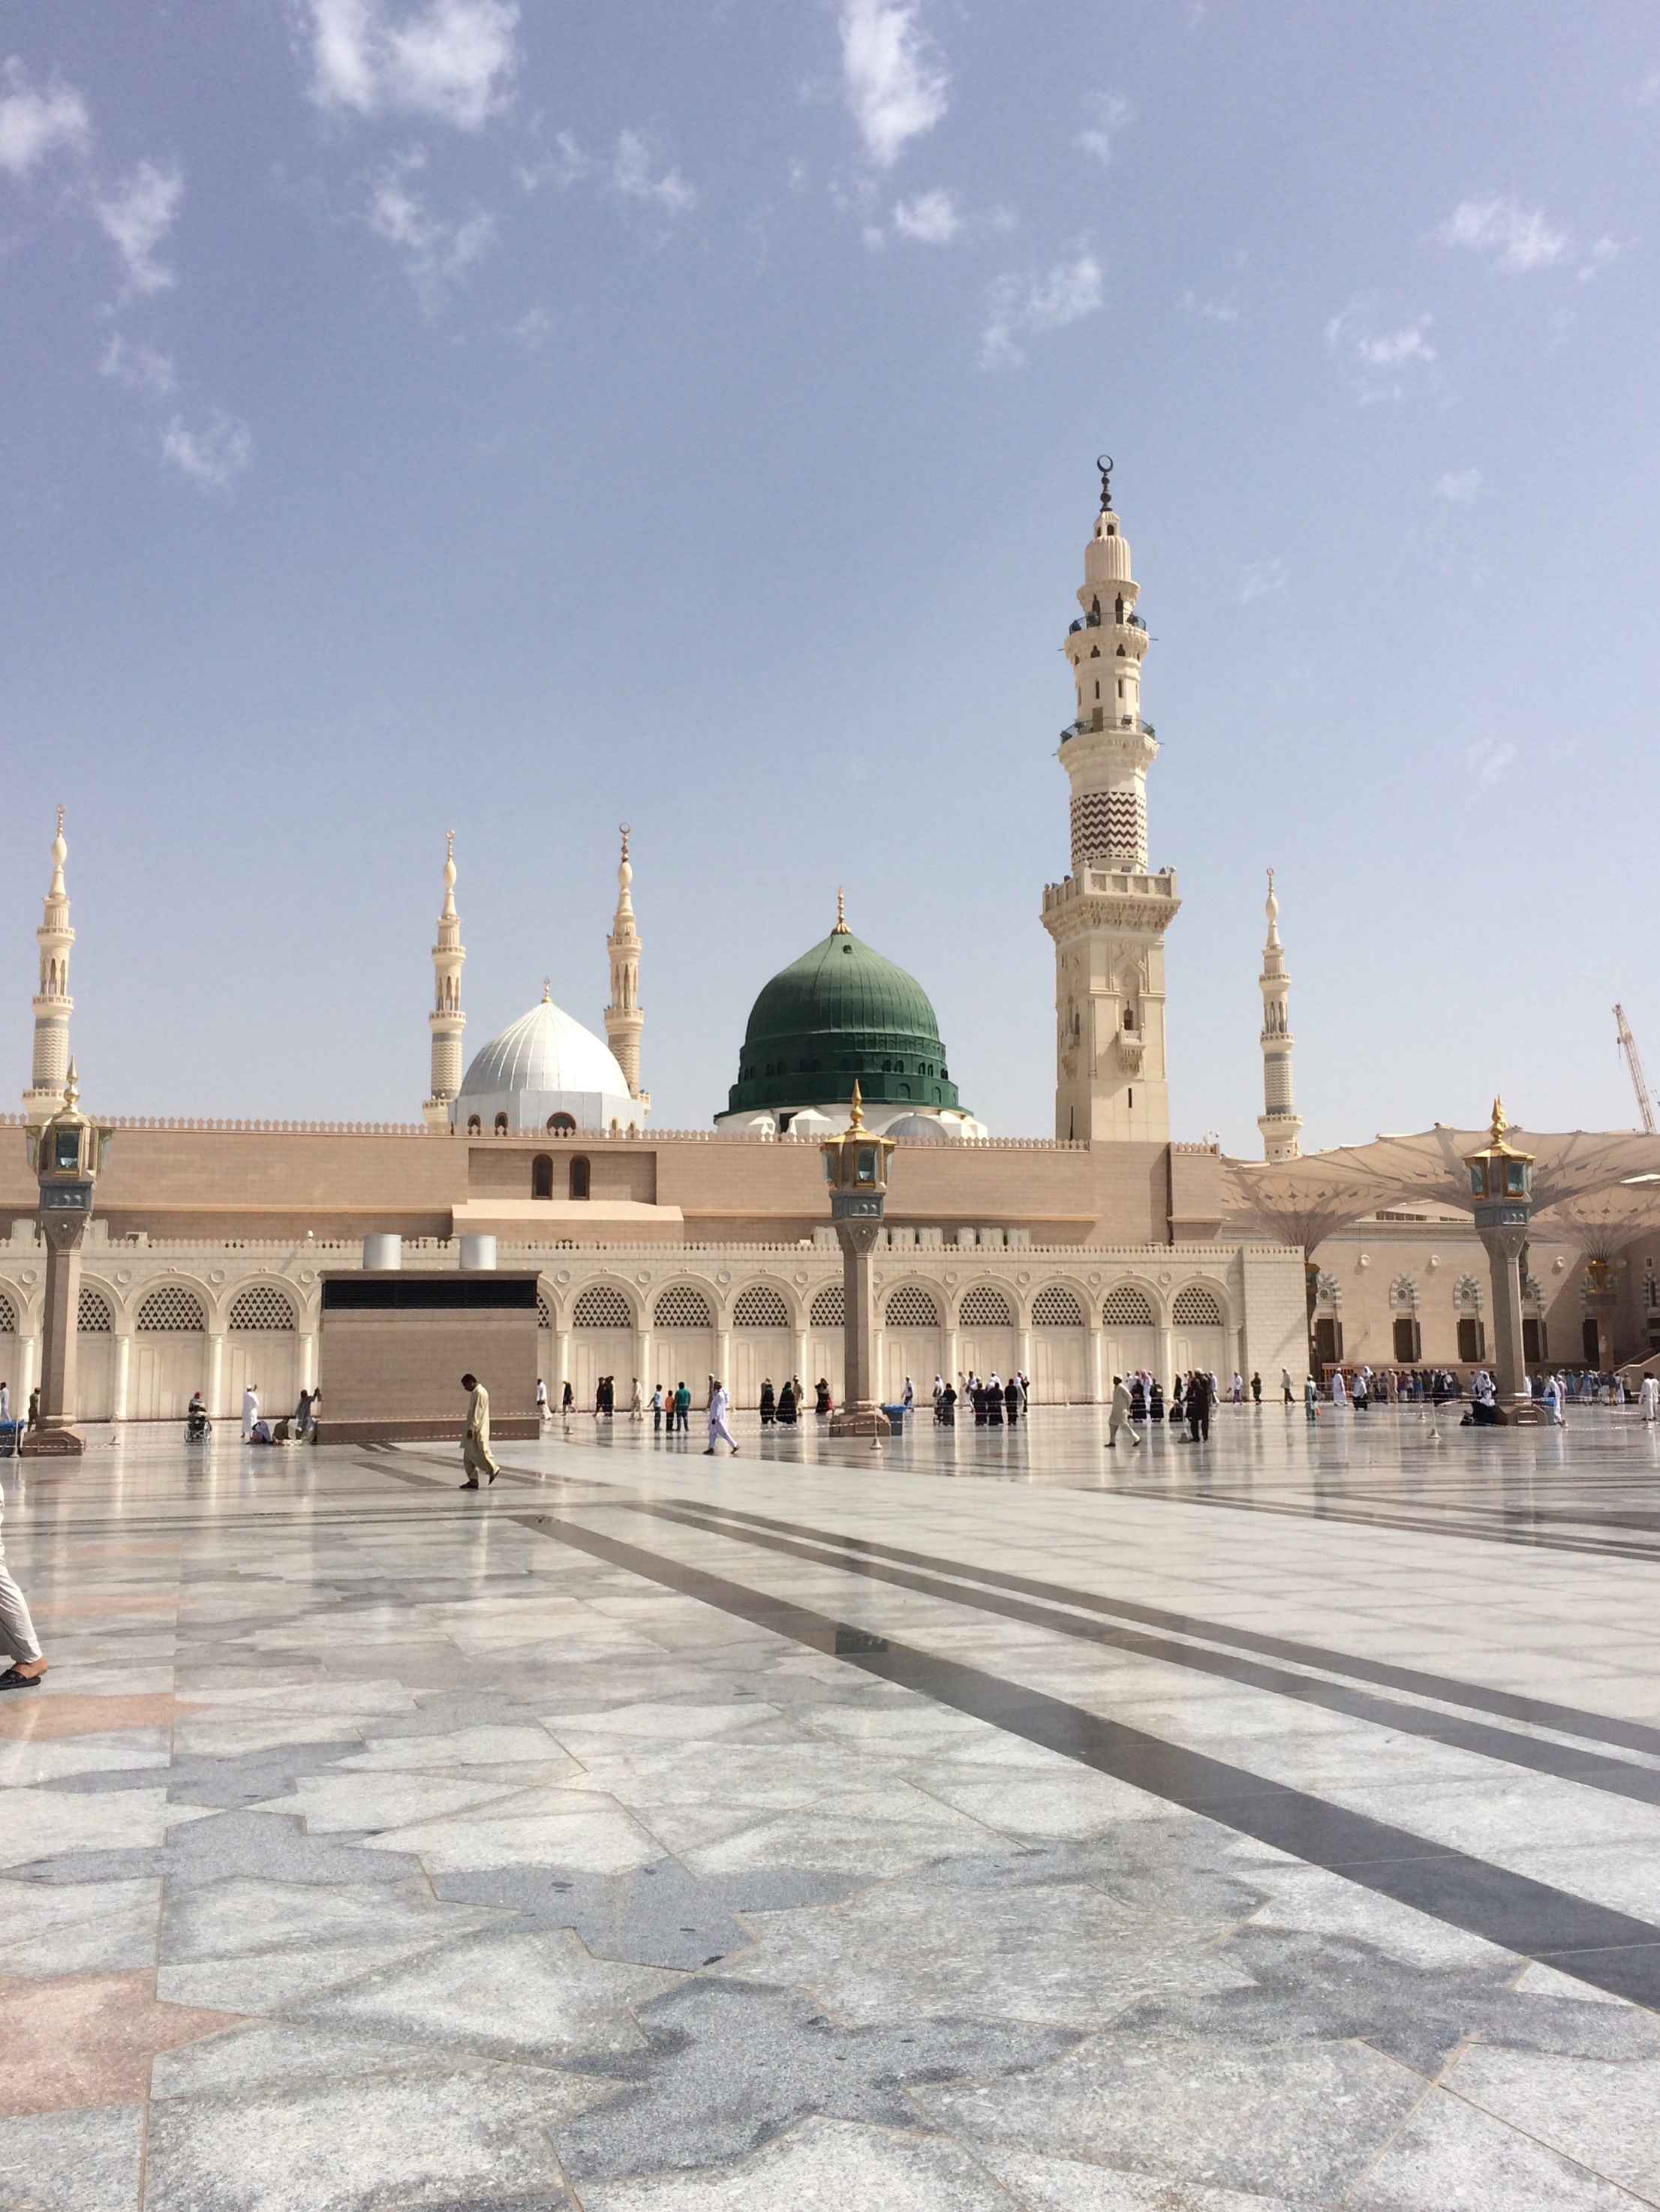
(15, 1679)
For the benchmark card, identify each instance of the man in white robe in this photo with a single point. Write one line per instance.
(719, 1432)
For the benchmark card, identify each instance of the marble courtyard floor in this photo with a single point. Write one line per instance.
(988, 1822)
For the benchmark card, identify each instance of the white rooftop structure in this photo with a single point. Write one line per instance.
(543, 1067)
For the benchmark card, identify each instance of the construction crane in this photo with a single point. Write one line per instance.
(1639, 1080)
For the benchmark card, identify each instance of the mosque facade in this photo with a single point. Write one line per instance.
(668, 1255)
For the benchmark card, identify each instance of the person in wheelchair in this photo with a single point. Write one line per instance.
(197, 1424)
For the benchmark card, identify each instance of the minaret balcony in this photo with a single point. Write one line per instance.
(1082, 729)
(1117, 894)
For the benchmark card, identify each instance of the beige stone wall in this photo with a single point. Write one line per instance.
(1374, 1267)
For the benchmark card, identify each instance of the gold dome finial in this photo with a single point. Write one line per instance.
(547, 990)
(71, 1088)
(841, 928)
(1496, 1134)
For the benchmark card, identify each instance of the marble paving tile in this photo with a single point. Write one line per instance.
(265, 1982)
(335, 1804)
(591, 1836)
(72, 2161)
(1605, 2115)
(495, 1747)
(435, 2135)
(91, 1928)
(39, 1759)
(53, 1713)
(211, 1736)
(868, 1831)
(536, 1995)
(1080, 1803)
(1038, 2183)
(32, 1821)
(263, 2053)
(821, 2165)
(256, 1843)
(1315, 1902)
(239, 1917)
(1299, 2121)
(82, 2041)
(732, 2064)
(1451, 2158)
(1053, 1952)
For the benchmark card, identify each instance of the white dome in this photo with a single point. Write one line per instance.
(543, 1064)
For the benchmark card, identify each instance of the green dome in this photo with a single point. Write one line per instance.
(838, 1014)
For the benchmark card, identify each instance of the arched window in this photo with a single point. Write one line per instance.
(261, 1308)
(760, 1307)
(8, 1318)
(579, 1177)
(1126, 1308)
(984, 1308)
(682, 1307)
(561, 1124)
(171, 1311)
(911, 1307)
(93, 1313)
(601, 1306)
(1195, 1309)
(501, 1125)
(475, 1128)
(829, 1308)
(541, 1176)
(1056, 1308)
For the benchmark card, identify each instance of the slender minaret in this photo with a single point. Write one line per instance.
(446, 1021)
(1280, 1123)
(1108, 917)
(623, 1019)
(53, 1005)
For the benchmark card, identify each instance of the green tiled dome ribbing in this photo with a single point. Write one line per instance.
(842, 1012)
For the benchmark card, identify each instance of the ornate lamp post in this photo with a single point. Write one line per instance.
(856, 1170)
(66, 1154)
(1501, 1183)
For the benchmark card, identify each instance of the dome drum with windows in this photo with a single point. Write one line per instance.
(842, 1015)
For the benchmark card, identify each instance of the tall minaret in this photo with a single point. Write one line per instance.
(1108, 917)
(1280, 1123)
(446, 1021)
(53, 1005)
(623, 1019)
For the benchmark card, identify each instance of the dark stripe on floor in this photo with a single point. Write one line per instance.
(1608, 1950)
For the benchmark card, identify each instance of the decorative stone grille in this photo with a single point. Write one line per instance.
(760, 1307)
(829, 1308)
(171, 1311)
(982, 1308)
(601, 1306)
(682, 1307)
(1128, 1308)
(1195, 1309)
(261, 1308)
(8, 1317)
(1056, 1308)
(911, 1307)
(543, 1313)
(91, 1314)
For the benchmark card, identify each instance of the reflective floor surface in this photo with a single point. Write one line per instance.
(987, 1821)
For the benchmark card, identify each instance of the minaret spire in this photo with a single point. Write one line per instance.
(446, 1021)
(1109, 916)
(623, 1019)
(1279, 1122)
(52, 1004)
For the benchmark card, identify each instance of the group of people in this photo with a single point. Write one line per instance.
(299, 1427)
(781, 1409)
(994, 1402)
(1140, 1398)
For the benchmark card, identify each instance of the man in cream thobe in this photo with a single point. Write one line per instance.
(1120, 1416)
(475, 1438)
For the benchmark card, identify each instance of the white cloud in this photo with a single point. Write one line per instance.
(140, 368)
(1208, 311)
(631, 176)
(533, 328)
(1113, 114)
(1025, 303)
(1459, 485)
(930, 219)
(1486, 761)
(1261, 579)
(449, 59)
(435, 251)
(894, 88)
(1518, 238)
(212, 456)
(137, 215)
(1377, 363)
(36, 123)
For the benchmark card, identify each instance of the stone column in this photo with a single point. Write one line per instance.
(63, 1234)
(723, 1357)
(1023, 1352)
(860, 1412)
(948, 1354)
(1097, 1349)
(215, 1374)
(1166, 1357)
(644, 1355)
(799, 1362)
(308, 1358)
(561, 1365)
(1504, 1246)
(123, 1369)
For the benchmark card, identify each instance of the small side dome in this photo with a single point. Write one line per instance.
(809, 1122)
(918, 1129)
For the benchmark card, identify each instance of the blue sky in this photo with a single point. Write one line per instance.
(519, 419)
